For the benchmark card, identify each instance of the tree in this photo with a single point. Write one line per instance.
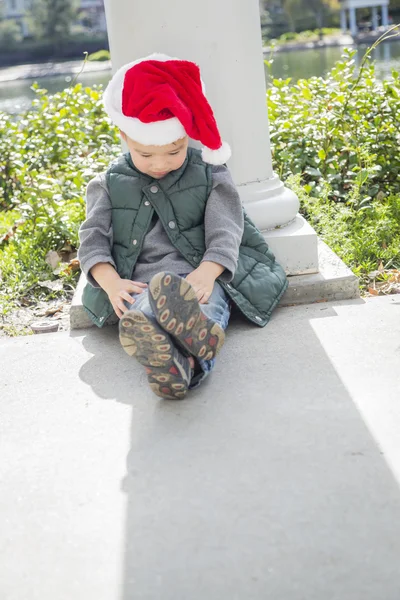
(303, 14)
(276, 18)
(319, 8)
(290, 7)
(52, 19)
(10, 34)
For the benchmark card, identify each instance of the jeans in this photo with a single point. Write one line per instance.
(218, 309)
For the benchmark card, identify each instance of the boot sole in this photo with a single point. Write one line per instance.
(150, 346)
(178, 312)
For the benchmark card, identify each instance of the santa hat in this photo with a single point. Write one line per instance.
(158, 99)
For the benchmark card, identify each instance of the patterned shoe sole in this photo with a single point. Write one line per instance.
(178, 311)
(148, 343)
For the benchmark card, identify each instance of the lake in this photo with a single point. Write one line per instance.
(303, 64)
(15, 96)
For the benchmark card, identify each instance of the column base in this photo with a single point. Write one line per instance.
(295, 247)
(269, 203)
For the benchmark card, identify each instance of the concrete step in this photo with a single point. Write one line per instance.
(335, 281)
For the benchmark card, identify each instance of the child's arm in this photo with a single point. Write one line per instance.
(223, 234)
(94, 252)
(117, 289)
(95, 233)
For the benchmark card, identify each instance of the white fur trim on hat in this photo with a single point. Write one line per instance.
(149, 134)
(159, 133)
(216, 157)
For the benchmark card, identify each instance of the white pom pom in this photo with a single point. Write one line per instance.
(216, 157)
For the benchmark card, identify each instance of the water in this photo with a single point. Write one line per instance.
(16, 96)
(306, 63)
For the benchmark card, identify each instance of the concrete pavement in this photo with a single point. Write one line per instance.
(279, 479)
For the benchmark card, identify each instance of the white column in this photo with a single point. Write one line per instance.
(353, 22)
(343, 20)
(385, 16)
(224, 38)
(374, 18)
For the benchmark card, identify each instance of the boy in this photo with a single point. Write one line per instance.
(166, 245)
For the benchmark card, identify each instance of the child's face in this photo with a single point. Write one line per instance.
(157, 161)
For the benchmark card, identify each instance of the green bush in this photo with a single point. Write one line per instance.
(305, 36)
(340, 130)
(339, 136)
(47, 157)
(366, 238)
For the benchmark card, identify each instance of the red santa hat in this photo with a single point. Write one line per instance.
(157, 100)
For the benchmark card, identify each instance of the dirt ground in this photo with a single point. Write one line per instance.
(18, 322)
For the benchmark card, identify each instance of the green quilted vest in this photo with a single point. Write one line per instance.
(179, 200)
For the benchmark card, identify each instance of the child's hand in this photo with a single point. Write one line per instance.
(203, 278)
(118, 291)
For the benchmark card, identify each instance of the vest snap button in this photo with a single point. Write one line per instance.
(134, 242)
(147, 203)
(258, 319)
(172, 224)
(154, 189)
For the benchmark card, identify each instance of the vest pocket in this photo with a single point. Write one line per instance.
(97, 304)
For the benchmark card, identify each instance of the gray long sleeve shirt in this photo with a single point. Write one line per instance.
(223, 233)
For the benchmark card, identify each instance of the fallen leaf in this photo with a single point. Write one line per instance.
(381, 267)
(53, 310)
(395, 277)
(26, 301)
(373, 291)
(74, 264)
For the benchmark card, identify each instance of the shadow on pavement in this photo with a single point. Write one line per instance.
(265, 483)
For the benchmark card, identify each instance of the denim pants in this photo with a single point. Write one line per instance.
(218, 309)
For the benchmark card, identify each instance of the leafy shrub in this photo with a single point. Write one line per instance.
(47, 157)
(366, 239)
(341, 130)
(289, 36)
(336, 142)
(304, 36)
